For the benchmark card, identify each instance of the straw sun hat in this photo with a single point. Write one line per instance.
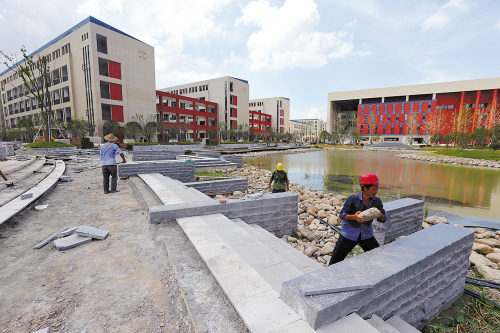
(111, 138)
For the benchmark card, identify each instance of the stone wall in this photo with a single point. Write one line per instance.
(180, 170)
(178, 148)
(220, 186)
(238, 159)
(276, 212)
(154, 155)
(415, 278)
(404, 217)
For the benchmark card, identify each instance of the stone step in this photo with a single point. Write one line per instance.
(229, 252)
(166, 196)
(381, 325)
(349, 324)
(293, 256)
(401, 325)
(171, 191)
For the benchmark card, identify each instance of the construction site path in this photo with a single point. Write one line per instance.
(123, 283)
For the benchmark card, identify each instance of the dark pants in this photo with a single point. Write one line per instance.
(278, 191)
(344, 246)
(107, 171)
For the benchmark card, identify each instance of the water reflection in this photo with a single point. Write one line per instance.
(455, 189)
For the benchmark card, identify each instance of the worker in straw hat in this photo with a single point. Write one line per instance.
(108, 162)
(354, 229)
(280, 179)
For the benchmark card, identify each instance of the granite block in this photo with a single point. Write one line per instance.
(49, 239)
(326, 287)
(91, 232)
(71, 241)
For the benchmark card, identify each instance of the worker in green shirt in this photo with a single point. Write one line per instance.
(280, 179)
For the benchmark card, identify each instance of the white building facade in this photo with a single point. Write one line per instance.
(230, 94)
(278, 108)
(97, 73)
(313, 129)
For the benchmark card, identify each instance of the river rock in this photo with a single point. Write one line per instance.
(322, 228)
(489, 241)
(475, 258)
(459, 226)
(482, 248)
(304, 197)
(312, 209)
(434, 219)
(311, 237)
(327, 249)
(336, 202)
(425, 225)
(313, 227)
(487, 235)
(309, 251)
(369, 214)
(238, 194)
(301, 229)
(322, 214)
(332, 219)
(489, 273)
(292, 240)
(495, 257)
(479, 236)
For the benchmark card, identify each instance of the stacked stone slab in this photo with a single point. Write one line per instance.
(3, 153)
(276, 212)
(154, 155)
(237, 159)
(414, 278)
(178, 148)
(208, 154)
(179, 170)
(404, 217)
(220, 186)
(8, 147)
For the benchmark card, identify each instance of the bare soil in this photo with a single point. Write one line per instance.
(122, 284)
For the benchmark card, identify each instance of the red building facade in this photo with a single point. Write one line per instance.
(259, 122)
(196, 116)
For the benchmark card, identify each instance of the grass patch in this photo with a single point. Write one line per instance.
(211, 174)
(477, 154)
(45, 144)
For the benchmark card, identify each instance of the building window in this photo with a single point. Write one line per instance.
(230, 86)
(102, 44)
(106, 112)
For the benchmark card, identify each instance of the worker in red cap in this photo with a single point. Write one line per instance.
(354, 230)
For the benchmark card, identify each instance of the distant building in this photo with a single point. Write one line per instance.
(98, 73)
(197, 117)
(299, 129)
(260, 122)
(413, 113)
(313, 128)
(277, 107)
(230, 94)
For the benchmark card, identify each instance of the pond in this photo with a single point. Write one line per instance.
(451, 189)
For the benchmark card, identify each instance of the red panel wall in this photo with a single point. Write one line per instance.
(115, 91)
(405, 128)
(398, 108)
(235, 112)
(374, 109)
(393, 118)
(415, 106)
(365, 129)
(380, 129)
(407, 107)
(396, 129)
(377, 119)
(117, 113)
(420, 117)
(385, 118)
(235, 124)
(115, 70)
(366, 109)
(425, 106)
(360, 109)
(422, 128)
(389, 108)
(381, 108)
(235, 100)
(359, 128)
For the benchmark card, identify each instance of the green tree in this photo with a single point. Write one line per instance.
(324, 136)
(77, 127)
(212, 134)
(27, 128)
(110, 127)
(133, 130)
(150, 130)
(495, 133)
(480, 137)
(436, 138)
(35, 74)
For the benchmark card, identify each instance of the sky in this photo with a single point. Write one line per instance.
(299, 49)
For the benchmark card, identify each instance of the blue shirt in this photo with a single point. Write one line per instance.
(108, 152)
(352, 229)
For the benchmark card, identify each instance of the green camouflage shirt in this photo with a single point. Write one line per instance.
(280, 180)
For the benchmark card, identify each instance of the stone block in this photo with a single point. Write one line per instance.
(401, 325)
(327, 287)
(49, 239)
(43, 330)
(381, 325)
(415, 278)
(404, 217)
(71, 241)
(91, 232)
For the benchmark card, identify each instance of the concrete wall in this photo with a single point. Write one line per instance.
(180, 170)
(415, 278)
(275, 212)
(154, 155)
(220, 186)
(404, 217)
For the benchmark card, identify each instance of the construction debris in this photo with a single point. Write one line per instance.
(41, 207)
(92, 232)
(70, 242)
(48, 239)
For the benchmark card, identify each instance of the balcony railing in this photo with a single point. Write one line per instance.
(21, 110)
(65, 99)
(56, 81)
(57, 101)
(9, 98)
(65, 78)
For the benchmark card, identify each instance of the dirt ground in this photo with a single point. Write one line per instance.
(122, 284)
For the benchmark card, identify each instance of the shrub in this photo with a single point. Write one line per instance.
(495, 145)
(45, 144)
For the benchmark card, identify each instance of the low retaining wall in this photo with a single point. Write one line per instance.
(180, 170)
(404, 217)
(154, 155)
(276, 212)
(237, 159)
(220, 186)
(414, 278)
(3, 153)
(167, 148)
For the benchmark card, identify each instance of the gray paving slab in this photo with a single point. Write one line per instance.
(48, 239)
(236, 236)
(67, 232)
(218, 222)
(71, 241)
(26, 196)
(349, 324)
(381, 325)
(91, 232)
(258, 255)
(277, 274)
(299, 326)
(401, 325)
(327, 287)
